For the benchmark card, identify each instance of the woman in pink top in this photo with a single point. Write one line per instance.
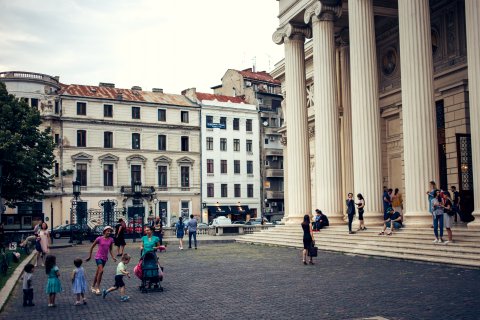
(105, 244)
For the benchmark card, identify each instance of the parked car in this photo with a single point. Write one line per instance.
(221, 221)
(97, 231)
(256, 221)
(202, 225)
(134, 223)
(65, 230)
(239, 222)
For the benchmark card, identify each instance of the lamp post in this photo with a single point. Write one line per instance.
(137, 195)
(76, 187)
(155, 201)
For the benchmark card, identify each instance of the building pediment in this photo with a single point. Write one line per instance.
(136, 157)
(163, 159)
(82, 156)
(108, 157)
(185, 160)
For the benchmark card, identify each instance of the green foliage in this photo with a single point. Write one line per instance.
(26, 153)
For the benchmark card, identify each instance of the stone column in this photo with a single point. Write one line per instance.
(328, 175)
(347, 175)
(298, 157)
(472, 9)
(365, 111)
(419, 126)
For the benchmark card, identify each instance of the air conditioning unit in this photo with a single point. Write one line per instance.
(273, 204)
(274, 158)
(272, 138)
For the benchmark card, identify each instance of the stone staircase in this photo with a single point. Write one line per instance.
(408, 243)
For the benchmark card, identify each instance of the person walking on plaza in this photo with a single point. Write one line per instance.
(44, 241)
(79, 282)
(105, 244)
(397, 202)
(27, 285)
(149, 241)
(192, 231)
(456, 202)
(120, 243)
(350, 211)
(307, 238)
(119, 283)
(180, 232)
(53, 283)
(448, 215)
(158, 229)
(438, 206)
(361, 209)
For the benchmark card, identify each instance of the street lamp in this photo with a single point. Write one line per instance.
(137, 195)
(76, 187)
(155, 201)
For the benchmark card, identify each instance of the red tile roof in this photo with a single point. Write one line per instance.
(259, 76)
(209, 96)
(77, 90)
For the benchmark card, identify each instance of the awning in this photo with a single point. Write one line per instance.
(218, 210)
(240, 210)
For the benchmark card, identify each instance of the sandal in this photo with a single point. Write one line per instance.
(381, 233)
(311, 262)
(389, 233)
(304, 262)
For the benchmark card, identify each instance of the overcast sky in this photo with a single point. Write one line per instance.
(169, 44)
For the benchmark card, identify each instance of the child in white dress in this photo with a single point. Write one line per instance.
(79, 282)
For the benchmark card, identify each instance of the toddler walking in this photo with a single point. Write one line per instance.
(79, 283)
(27, 285)
(119, 284)
(53, 283)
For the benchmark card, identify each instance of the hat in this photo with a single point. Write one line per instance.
(106, 228)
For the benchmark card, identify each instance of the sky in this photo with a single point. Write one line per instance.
(168, 44)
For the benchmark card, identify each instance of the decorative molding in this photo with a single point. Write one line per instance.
(136, 157)
(291, 31)
(82, 156)
(323, 11)
(162, 159)
(108, 157)
(185, 160)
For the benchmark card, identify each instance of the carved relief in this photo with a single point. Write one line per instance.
(283, 140)
(310, 96)
(311, 132)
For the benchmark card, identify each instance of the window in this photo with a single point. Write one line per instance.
(185, 209)
(56, 139)
(266, 141)
(185, 176)
(249, 167)
(209, 119)
(82, 174)
(249, 145)
(210, 168)
(224, 190)
(184, 143)
(136, 173)
(162, 176)
(162, 115)
(135, 140)
(135, 112)
(108, 139)
(236, 166)
(248, 125)
(108, 175)
(209, 143)
(57, 169)
(81, 138)
(210, 190)
(107, 110)
(57, 107)
(223, 120)
(236, 190)
(162, 142)
(236, 124)
(34, 102)
(184, 116)
(223, 166)
(81, 108)
(250, 190)
(236, 144)
(223, 144)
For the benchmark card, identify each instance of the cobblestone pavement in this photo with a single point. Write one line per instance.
(239, 281)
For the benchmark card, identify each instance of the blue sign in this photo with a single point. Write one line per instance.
(216, 125)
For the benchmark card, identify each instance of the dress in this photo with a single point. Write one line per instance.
(79, 282)
(307, 237)
(180, 230)
(53, 283)
(43, 234)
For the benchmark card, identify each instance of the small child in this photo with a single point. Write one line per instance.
(79, 283)
(27, 285)
(121, 271)
(53, 283)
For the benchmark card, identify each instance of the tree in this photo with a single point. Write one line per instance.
(26, 153)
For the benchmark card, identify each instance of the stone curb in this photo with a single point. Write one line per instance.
(12, 281)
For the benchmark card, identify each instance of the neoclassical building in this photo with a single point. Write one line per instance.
(379, 93)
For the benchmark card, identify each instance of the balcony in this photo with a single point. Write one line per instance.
(270, 194)
(274, 173)
(272, 130)
(273, 152)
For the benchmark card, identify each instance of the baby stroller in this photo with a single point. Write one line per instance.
(149, 272)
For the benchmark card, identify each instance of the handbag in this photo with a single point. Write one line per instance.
(313, 251)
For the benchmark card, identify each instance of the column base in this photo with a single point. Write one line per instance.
(295, 220)
(418, 219)
(372, 219)
(475, 224)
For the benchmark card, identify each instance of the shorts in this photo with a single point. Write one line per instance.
(101, 262)
(119, 281)
(120, 241)
(396, 225)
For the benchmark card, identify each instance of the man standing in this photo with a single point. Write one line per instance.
(192, 231)
(158, 229)
(456, 202)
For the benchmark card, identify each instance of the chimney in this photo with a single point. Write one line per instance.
(137, 88)
(119, 95)
(191, 93)
(158, 90)
(106, 85)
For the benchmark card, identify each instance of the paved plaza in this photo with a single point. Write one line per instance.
(237, 281)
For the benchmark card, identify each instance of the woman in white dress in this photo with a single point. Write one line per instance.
(44, 239)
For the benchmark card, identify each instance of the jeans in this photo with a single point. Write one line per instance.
(27, 297)
(190, 235)
(350, 220)
(436, 221)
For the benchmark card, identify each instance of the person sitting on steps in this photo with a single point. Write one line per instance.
(392, 220)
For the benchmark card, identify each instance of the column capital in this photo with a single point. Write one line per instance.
(291, 31)
(323, 10)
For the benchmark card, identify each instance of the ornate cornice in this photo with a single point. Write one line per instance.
(291, 31)
(82, 156)
(323, 11)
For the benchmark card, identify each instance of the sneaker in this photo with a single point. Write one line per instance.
(181, 248)
(77, 303)
(98, 292)
(104, 293)
(446, 242)
(84, 301)
(127, 297)
(440, 241)
(435, 241)
(50, 305)
(93, 290)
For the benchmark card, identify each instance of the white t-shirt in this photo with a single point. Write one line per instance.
(27, 276)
